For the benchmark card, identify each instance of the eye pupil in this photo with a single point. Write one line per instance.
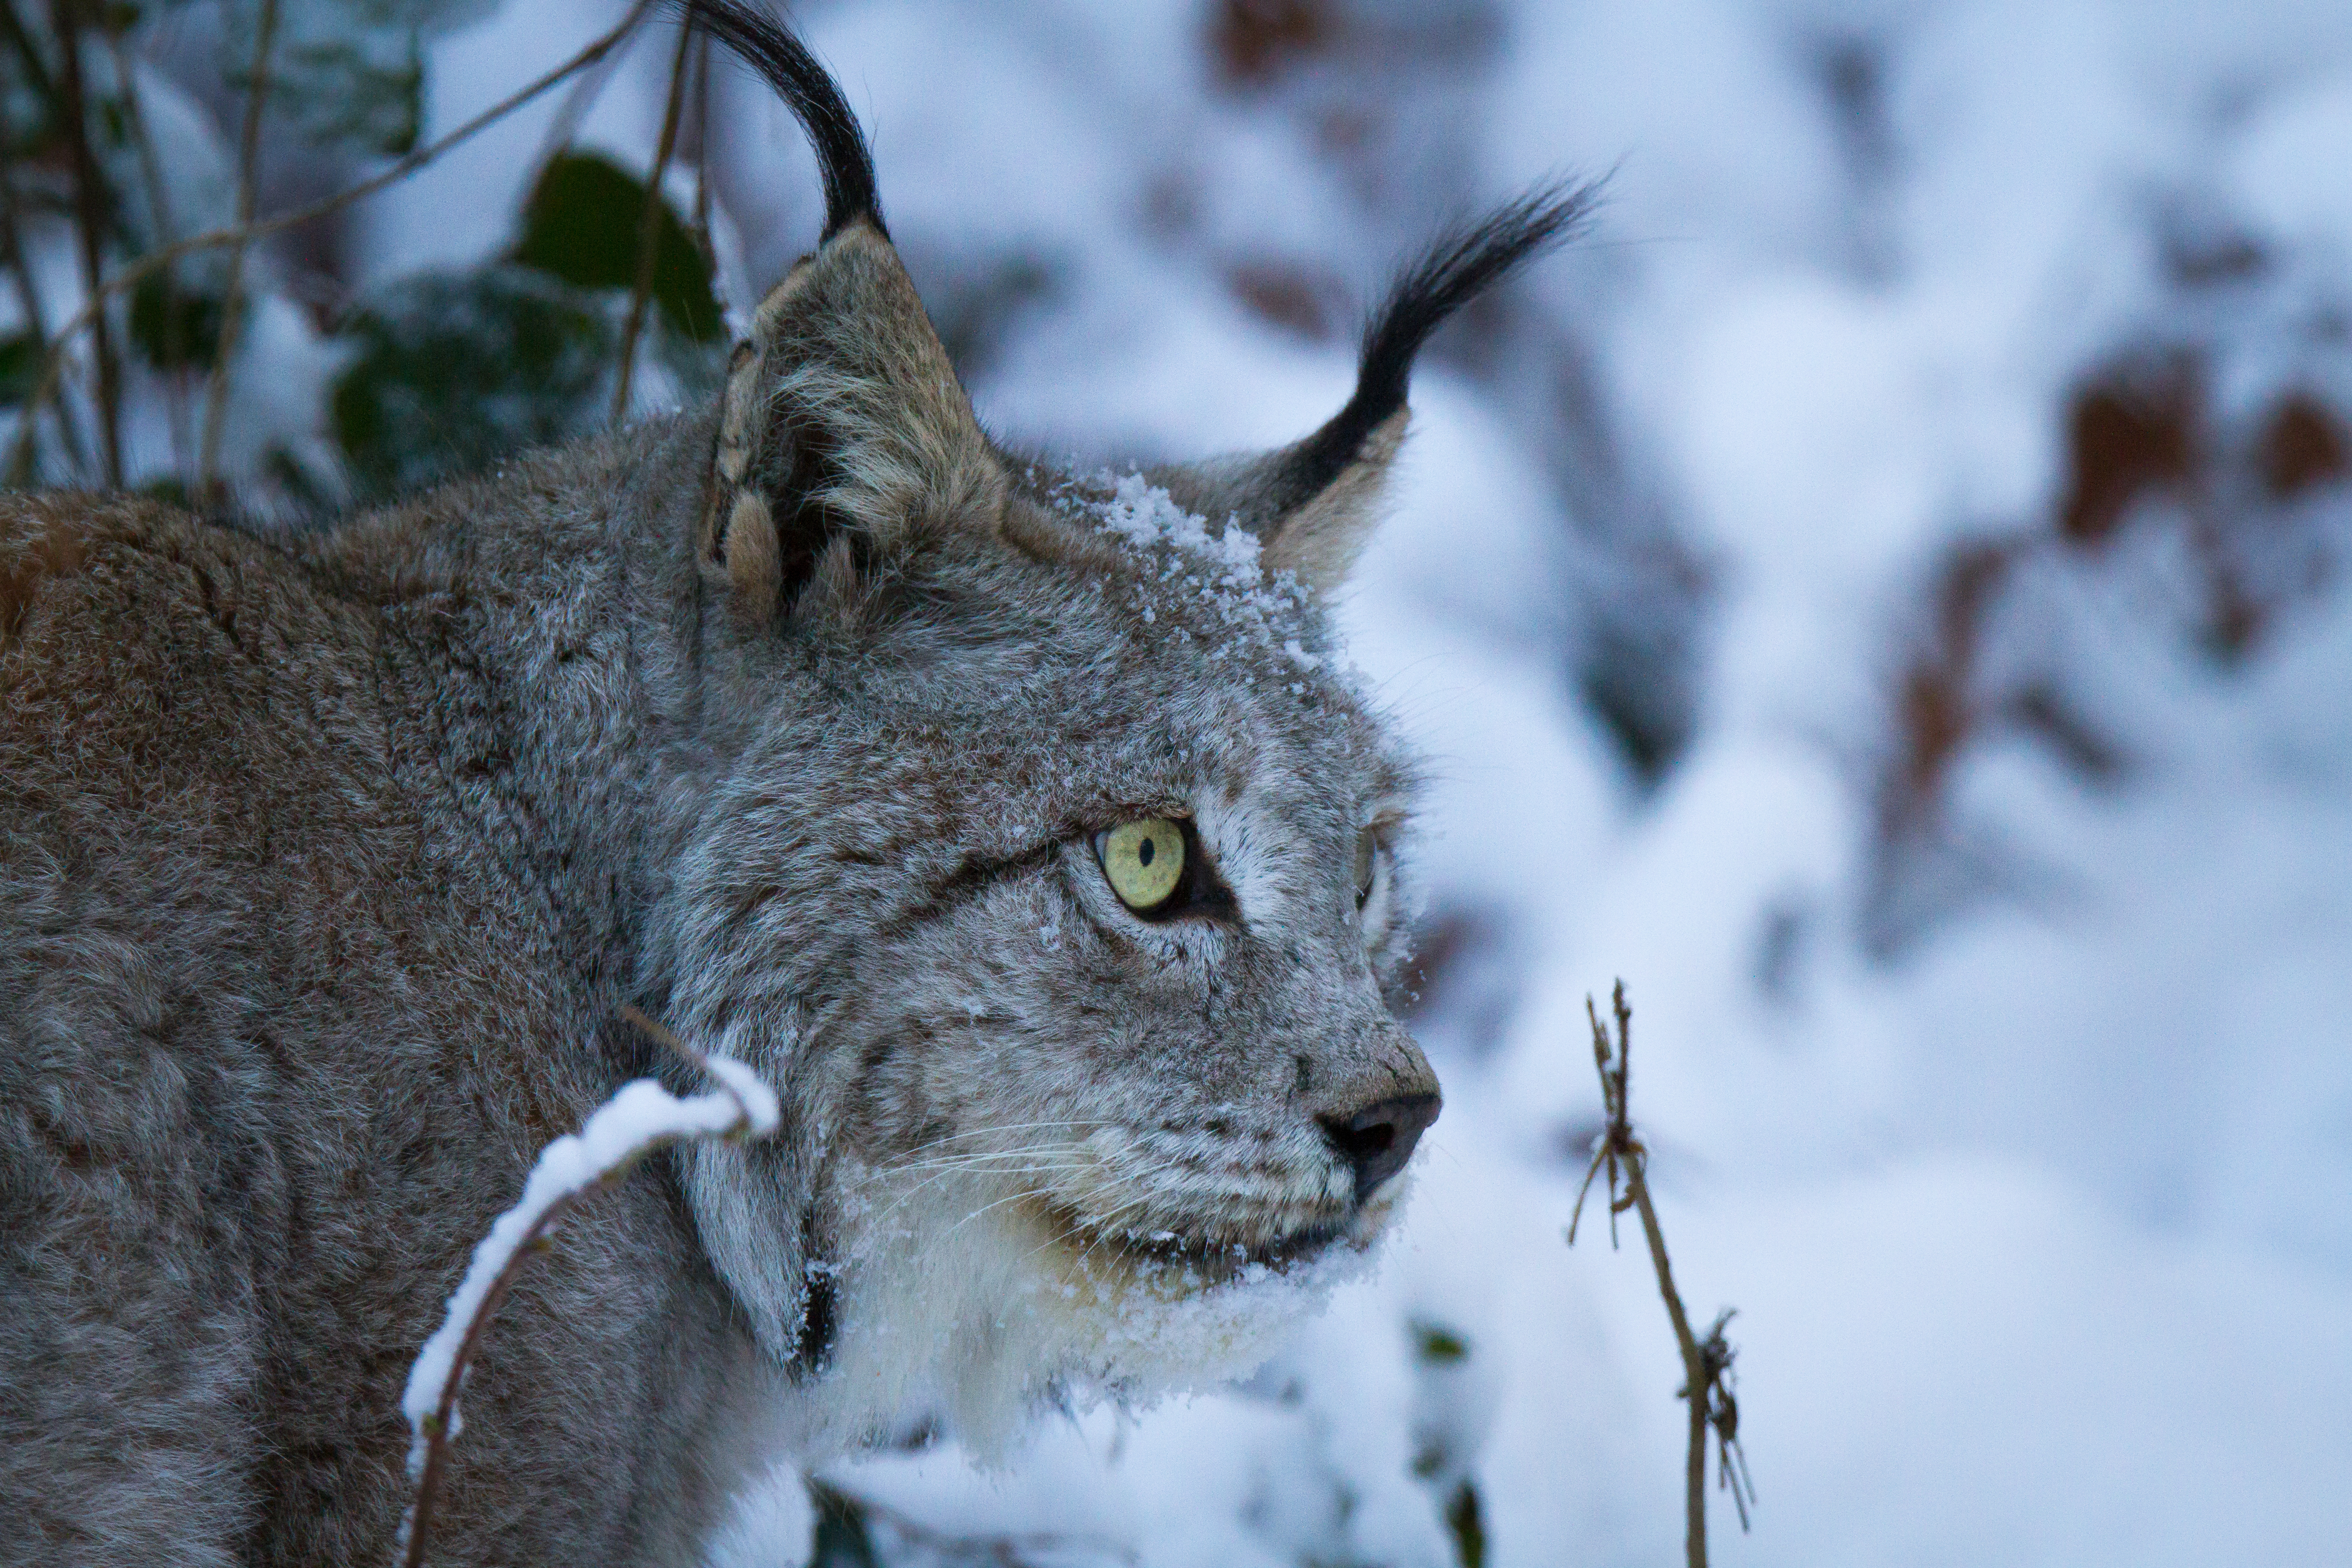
(1144, 861)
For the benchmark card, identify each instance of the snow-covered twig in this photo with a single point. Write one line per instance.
(641, 1118)
(1707, 1363)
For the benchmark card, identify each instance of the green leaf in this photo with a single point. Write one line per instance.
(581, 224)
(178, 328)
(20, 369)
(452, 370)
(1438, 1345)
(347, 72)
(367, 90)
(842, 1538)
(170, 488)
(1468, 1525)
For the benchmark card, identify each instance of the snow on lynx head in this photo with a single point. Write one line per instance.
(1024, 829)
(1044, 1112)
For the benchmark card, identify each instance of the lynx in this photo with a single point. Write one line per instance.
(1023, 828)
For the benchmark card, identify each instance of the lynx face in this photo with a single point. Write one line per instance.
(1213, 1077)
(1037, 846)
(1080, 1083)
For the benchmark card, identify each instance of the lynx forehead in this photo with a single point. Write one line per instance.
(1022, 827)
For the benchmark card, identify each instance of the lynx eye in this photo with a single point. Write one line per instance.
(1143, 861)
(1367, 861)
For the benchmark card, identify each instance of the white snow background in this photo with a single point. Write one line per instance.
(2013, 1112)
(2037, 1212)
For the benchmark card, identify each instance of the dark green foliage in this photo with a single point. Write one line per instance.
(843, 1539)
(1438, 1345)
(344, 91)
(27, 96)
(582, 223)
(453, 371)
(170, 489)
(20, 368)
(175, 327)
(1467, 1526)
(348, 73)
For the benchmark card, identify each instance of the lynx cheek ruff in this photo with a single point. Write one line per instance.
(1023, 831)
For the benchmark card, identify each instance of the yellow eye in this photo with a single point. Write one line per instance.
(1143, 861)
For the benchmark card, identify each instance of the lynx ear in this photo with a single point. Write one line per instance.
(843, 432)
(1313, 503)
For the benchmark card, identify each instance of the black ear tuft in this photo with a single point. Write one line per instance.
(1460, 263)
(766, 45)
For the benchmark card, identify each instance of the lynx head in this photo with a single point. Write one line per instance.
(1046, 856)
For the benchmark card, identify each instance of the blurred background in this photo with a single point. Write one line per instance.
(1883, 594)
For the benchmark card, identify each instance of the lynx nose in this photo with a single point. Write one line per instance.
(1379, 1139)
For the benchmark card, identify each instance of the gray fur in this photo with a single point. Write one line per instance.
(325, 868)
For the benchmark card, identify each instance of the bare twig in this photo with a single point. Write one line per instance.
(215, 240)
(641, 1118)
(36, 324)
(576, 103)
(232, 327)
(1707, 1363)
(28, 53)
(89, 227)
(159, 210)
(699, 227)
(649, 218)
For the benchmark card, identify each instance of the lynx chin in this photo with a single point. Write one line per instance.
(1023, 828)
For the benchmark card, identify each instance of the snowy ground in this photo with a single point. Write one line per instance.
(1883, 597)
(2018, 1124)
(2000, 1074)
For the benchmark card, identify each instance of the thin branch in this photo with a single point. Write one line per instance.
(89, 224)
(699, 227)
(36, 71)
(159, 208)
(641, 1118)
(214, 240)
(1707, 1363)
(649, 218)
(577, 104)
(232, 327)
(36, 321)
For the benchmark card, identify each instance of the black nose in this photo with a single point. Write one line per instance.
(1379, 1139)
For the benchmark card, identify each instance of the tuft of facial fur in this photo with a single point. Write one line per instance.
(983, 1041)
(328, 865)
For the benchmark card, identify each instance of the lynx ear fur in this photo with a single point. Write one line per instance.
(1313, 503)
(843, 432)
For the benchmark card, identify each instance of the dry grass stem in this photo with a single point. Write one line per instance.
(248, 156)
(159, 212)
(36, 321)
(1706, 1361)
(698, 226)
(89, 225)
(649, 219)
